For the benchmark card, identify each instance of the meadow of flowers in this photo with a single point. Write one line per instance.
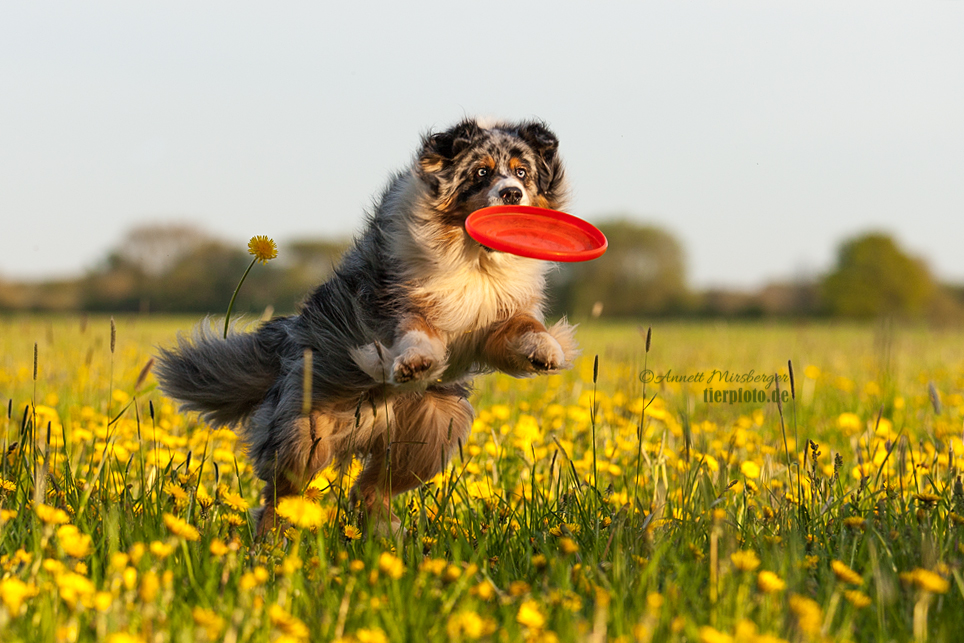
(590, 506)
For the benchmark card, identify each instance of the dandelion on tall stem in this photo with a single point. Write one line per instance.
(263, 249)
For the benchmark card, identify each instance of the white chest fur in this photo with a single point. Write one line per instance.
(474, 292)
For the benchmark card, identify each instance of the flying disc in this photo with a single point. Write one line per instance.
(537, 233)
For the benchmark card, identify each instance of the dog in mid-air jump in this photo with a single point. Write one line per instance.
(415, 309)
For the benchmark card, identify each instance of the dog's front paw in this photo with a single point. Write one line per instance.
(412, 366)
(415, 358)
(549, 351)
(421, 359)
(543, 351)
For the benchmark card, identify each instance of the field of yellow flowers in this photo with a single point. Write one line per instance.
(694, 491)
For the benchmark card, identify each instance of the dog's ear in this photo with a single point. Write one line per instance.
(439, 150)
(545, 144)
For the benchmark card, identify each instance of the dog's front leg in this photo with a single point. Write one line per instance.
(522, 346)
(418, 355)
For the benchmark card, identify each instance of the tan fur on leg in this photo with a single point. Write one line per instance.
(428, 429)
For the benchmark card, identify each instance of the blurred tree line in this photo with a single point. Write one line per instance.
(179, 268)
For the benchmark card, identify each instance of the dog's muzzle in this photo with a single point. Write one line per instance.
(507, 191)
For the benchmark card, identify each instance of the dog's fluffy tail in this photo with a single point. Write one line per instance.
(223, 379)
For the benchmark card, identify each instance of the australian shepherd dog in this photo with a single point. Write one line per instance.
(414, 310)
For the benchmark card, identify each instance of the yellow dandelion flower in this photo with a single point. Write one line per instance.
(849, 421)
(288, 624)
(54, 566)
(235, 501)
(129, 576)
(161, 550)
(370, 635)
(750, 469)
(6, 485)
(73, 542)
(103, 601)
(519, 587)
(746, 631)
(391, 565)
(69, 633)
(209, 621)
(712, 635)
(808, 613)
(263, 248)
(466, 625)
(568, 545)
(118, 561)
(352, 532)
(927, 580)
(769, 583)
(204, 498)
(75, 588)
(845, 574)
(150, 584)
(745, 561)
(452, 573)
(654, 602)
(302, 513)
(176, 491)
(254, 578)
(51, 515)
(530, 615)
(137, 552)
(809, 562)
(218, 548)
(855, 522)
(857, 598)
(434, 566)
(484, 590)
(124, 637)
(22, 556)
(181, 528)
(13, 592)
(235, 520)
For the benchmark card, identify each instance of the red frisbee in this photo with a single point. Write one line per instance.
(537, 233)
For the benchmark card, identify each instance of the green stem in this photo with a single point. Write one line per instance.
(227, 318)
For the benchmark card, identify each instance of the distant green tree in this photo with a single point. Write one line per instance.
(874, 277)
(643, 272)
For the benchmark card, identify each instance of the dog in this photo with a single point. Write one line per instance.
(415, 309)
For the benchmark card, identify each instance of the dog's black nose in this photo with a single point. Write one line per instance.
(510, 196)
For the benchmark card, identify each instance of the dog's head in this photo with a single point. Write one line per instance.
(472, 166)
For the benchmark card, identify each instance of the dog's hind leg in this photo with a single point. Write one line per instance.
(302, 451)
(428, 429)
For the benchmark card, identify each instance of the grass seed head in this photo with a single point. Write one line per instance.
(793, 388)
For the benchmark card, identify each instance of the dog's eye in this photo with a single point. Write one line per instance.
(521, 172)
(482, 172)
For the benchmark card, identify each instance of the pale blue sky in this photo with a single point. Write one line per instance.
(760, 133)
